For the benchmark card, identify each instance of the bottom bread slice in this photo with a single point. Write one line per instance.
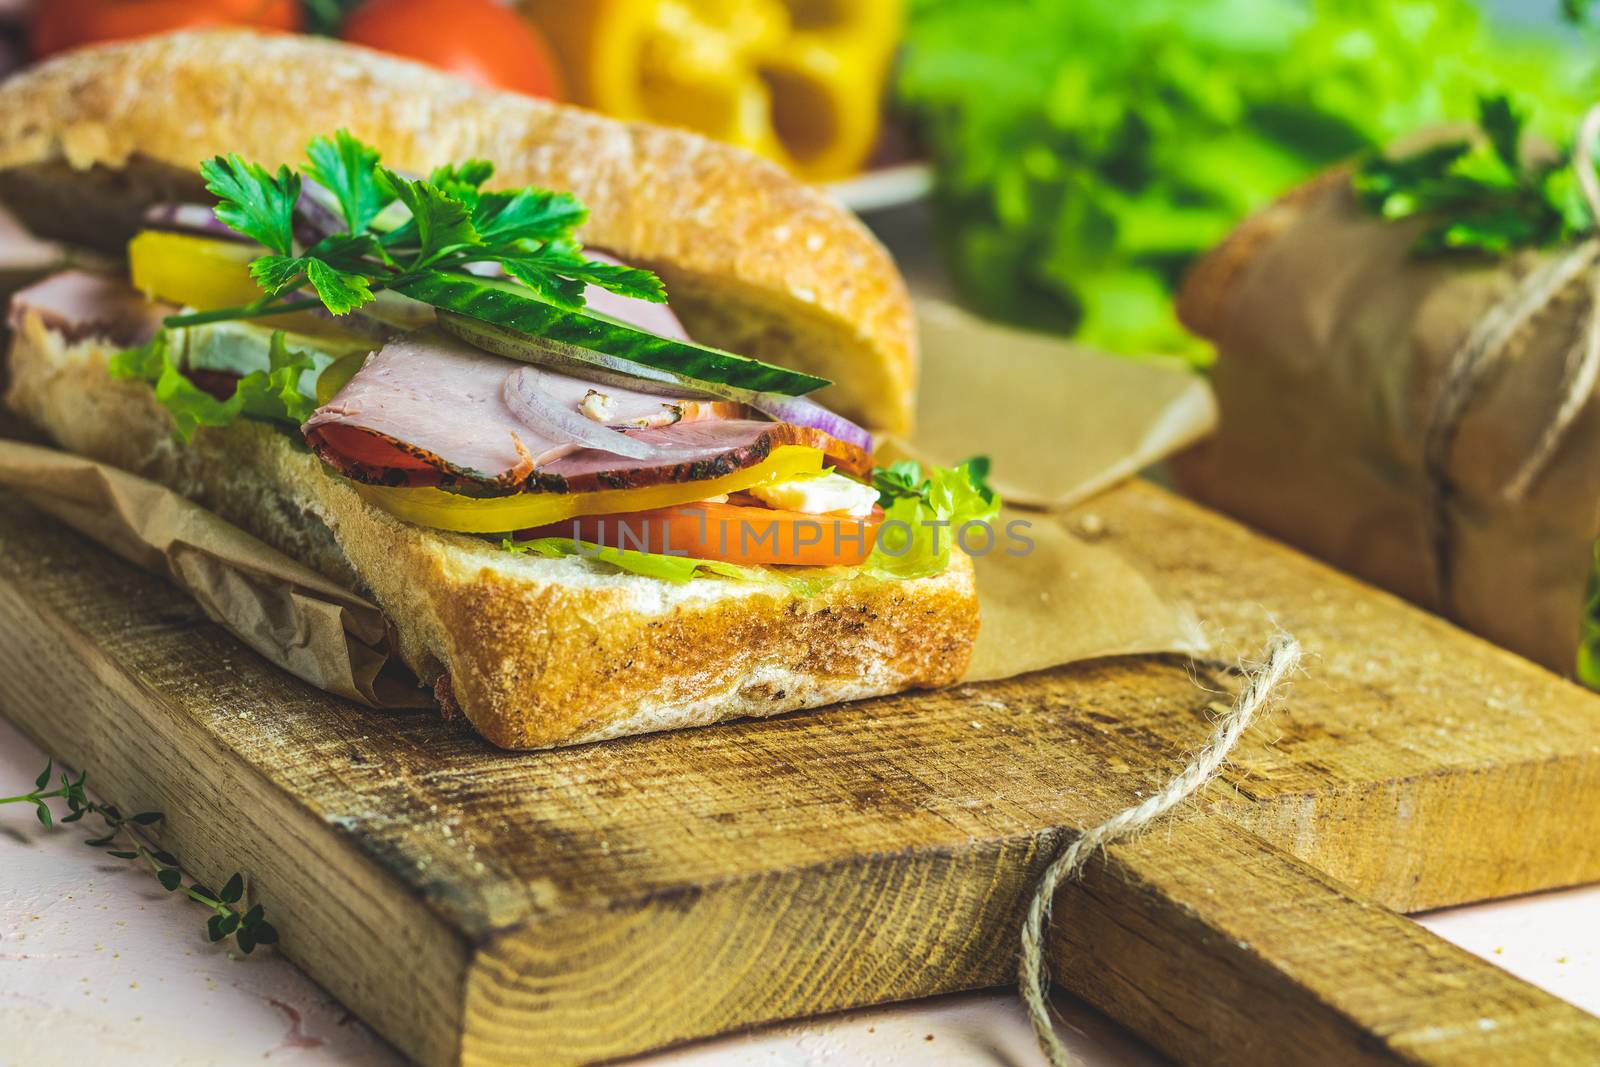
(535, 652)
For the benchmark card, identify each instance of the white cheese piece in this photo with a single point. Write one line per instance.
(832, 494)
(598, 406)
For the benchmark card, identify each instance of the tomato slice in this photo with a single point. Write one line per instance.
(442, 510)
(732, 533)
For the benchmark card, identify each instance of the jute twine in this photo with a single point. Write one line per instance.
(1282, 656)
(1488, 344)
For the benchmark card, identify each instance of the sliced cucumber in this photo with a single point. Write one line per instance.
(516, 307)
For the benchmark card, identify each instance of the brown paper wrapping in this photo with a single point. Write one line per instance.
(1333, 343)
(1066, 600)
(309, 626)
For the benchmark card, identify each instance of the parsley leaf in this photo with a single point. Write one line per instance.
(544, 280)
(443, 223)
(349, 170)
(462, 180)
(277, 273)
(528, 215)
(902, 478)
(342, 291)
(447, 224)
(1478, 196)
(558, 272)
(1503, 126)
(254, 202)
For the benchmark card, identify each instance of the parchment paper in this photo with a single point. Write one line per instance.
(309, 626)
(1077, 422)
(1060, 422)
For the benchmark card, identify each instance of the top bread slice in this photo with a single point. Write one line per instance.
(755, 261)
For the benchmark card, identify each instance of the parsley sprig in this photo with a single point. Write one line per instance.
(248, 927)
(398, 229)
(1481, 195)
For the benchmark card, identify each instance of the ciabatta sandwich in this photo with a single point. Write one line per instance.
(595, 494)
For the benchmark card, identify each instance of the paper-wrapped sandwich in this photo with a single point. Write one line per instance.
(1407, 358)
(595, 494)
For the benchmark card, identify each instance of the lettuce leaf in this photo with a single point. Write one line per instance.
(922, 515)
(804, 581)
(1087, 151)
(273, 394)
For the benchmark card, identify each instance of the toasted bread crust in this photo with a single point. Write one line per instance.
(538, 652)
(756, 261)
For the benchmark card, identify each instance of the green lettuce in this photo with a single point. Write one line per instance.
(1087, 151)
(273, 394)
(680, 569)
(922, 514)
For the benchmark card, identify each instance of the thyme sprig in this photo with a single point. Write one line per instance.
(248, 927)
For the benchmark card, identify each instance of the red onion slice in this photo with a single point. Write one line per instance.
(189, 218)
(535, 409)
(800, 411)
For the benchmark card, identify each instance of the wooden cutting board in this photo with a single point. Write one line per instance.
(482, 907)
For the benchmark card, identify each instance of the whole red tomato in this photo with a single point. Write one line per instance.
(63, 24)
(477, 39)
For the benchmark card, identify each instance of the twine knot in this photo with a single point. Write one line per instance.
(1282, 656)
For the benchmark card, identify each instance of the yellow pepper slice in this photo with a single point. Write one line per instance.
(206, 274)
(196, 271)
(441, 510)
(337, 375)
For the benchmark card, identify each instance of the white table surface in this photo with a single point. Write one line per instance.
(99, 965)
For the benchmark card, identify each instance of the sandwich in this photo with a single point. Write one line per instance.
(587, 408)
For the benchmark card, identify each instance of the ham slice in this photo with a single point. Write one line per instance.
(426, 409)
(78, 305)
(657, 318)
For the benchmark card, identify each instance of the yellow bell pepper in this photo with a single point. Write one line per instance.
(199, 272)
(206, 274)
(799, 81)
(441, 510)
(338, 374)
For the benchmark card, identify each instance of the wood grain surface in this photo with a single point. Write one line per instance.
(478, 906)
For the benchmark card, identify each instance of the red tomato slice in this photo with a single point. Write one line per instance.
(729, 532)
